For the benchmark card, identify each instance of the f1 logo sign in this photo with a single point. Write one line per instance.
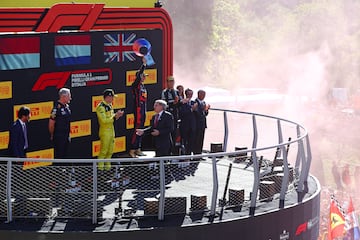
(301, 228)
(70, 15)
(80, 78)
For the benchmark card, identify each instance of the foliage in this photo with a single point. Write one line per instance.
(239, 35)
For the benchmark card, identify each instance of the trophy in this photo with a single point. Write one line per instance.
(142, 48)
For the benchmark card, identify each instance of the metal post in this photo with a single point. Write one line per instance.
(8, 191)
(300, 186)
(226, 132)
(256, 167)
(255, 185)
(162, 191)
(215, 188)
(94, 217)
(285, 180)
(298, 155)
(309, 158)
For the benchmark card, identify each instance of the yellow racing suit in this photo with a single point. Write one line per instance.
(106, 116)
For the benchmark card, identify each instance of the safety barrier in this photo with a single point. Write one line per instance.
(265, 169)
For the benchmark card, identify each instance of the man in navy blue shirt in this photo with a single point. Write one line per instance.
(59, 124)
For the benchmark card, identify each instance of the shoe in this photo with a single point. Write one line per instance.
(248, 164)
(155, 177)
(152, 166)
(126, 181)
(132, 153)
(139, 152)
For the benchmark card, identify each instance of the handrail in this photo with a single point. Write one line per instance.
(305, 133)
(302, 164)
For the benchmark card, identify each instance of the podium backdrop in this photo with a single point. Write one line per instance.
(35, 66)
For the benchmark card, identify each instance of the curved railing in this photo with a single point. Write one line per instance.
(265, 169)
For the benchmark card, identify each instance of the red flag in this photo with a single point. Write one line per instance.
(337, 222)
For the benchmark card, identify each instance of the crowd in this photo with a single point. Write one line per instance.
(178, 126)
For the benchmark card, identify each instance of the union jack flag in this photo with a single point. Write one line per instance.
(118, 47)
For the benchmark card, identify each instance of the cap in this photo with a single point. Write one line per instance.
(145, 74)
(109, 92)
(141, 74)
(170, 78)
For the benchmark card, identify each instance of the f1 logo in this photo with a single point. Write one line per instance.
(59, 79)
(70, 15)
(301, 228)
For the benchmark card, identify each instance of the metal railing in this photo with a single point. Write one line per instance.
(75, 188)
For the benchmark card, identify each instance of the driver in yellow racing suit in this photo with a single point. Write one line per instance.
(106, 118)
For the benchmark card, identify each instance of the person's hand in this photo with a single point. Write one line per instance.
(195, 106)
(144, 61)
(185, 100)
(207, 107)
(176, 100)
(119, 114)
(155, 133)
(139, 132)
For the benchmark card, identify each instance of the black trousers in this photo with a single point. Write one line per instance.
(199, 140)
(160, 152)
(188, 138)
(61, 145)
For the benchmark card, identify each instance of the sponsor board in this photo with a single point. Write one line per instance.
(119, 146)
(4, 139)
(130, 121)
(88, 79)
(118, 103)
(150, 79)
(47, 153)
(80, 128)
(149, 115)
(5, 90)
(38, 111)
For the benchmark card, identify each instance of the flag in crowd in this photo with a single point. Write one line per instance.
(343, 225)
(118, 47)
(19, 53)
(72, 50)
(337, 221)
(352, 223)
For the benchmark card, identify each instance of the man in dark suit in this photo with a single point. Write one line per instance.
(202, 110)
(172, 98)
(162, 124)
(18, 142)
(188, 121)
